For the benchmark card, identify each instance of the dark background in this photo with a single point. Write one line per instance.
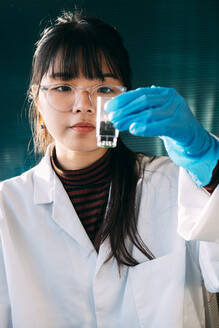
(172, 43)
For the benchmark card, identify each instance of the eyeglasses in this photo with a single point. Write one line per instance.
(62, 97)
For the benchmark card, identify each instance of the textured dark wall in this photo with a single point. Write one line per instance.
(172, 43)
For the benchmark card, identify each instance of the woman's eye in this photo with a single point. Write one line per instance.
(62, 88)
(105, 90)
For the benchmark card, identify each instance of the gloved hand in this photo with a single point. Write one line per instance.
(159, 111)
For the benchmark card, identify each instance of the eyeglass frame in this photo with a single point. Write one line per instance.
(47, 88)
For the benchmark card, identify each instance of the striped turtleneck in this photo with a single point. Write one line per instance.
(88, 191)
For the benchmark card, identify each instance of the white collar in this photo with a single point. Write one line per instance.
(44, 178)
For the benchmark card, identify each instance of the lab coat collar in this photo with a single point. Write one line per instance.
(49, 189)
(44, 179)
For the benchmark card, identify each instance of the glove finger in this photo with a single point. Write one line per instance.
(153, 129)
(151, 105)
(141, 114)
(124, 123)
(123, 99)
(136, 106)
(160, 113)
(130, 96)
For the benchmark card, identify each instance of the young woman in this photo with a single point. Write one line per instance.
(97, 238)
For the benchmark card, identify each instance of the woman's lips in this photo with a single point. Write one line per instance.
(83, 127)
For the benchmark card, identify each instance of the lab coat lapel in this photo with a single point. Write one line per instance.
(66, 217)
(103, 255)
(49, 190)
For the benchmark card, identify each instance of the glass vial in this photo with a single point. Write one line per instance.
(106, 133)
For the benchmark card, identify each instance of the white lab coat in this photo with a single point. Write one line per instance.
(52, 277)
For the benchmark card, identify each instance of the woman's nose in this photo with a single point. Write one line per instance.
(83, 103)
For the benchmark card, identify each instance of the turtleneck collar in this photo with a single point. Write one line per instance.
(96, 173)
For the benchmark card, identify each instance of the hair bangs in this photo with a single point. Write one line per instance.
(68, 60)
(72, 61)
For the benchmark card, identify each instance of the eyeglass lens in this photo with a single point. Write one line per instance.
(63, 98)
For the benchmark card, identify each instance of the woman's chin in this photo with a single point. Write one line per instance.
(82, 146)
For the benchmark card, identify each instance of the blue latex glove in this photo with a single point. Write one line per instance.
(159, 111)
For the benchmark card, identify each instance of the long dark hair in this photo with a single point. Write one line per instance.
(82, 42)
